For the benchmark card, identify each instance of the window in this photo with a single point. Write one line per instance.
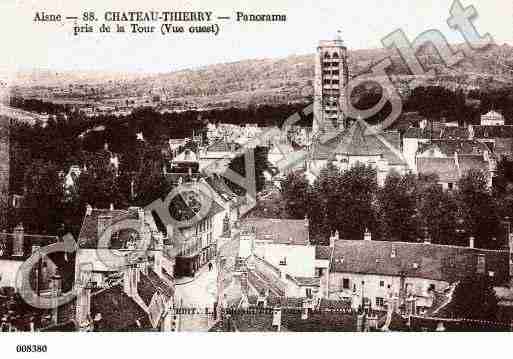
(345, 283)
(381, 283)
(380, 302)
(308, 292)
(450, 185)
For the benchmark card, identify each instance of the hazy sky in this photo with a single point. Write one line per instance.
(363, 23)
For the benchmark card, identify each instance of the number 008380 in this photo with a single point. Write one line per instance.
(31, 348)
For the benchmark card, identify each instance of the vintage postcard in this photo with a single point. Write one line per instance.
(272, 166)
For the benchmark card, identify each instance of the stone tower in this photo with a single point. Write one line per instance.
(331, 79)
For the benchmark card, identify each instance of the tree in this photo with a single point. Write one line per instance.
(503, 187)
(398, 208)
(142, 181)
(294, 191)
(438, 210)
(343, 201)
(5, 209)
(43, 195)
(474, 298)
(99, 184)
(478, 208)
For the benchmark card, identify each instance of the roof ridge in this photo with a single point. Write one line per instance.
(424, 244)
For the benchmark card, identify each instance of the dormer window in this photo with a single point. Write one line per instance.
(393, 254)
(283, 261)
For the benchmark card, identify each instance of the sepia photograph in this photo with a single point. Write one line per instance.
(274, 167)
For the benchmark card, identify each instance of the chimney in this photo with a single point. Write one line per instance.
(367, 236)
(277, 318)
(471, 242)
(481, 264)
(334, 238)
(89, 210)
(169, 232)
(157, 264)
(111, 208)
(130, 279)
(140, 214)
(470, 132)
(104, 222)
(83, 312)
(56, 288)
(18, 243)
(457, 162)
(360, 322)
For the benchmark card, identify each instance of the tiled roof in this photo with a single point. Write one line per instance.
(439, 131)
(280, 231)
(119, 312)
(334, 305)
(418, 323)
(322, 252)
(445, 168)
(282, 302)
(454, 133)
(88, 237)
(222, 146)
(189, 211)
(186, 156)
(219, 185)
(69, 326)
(449, 147)
(436, 262)
(483, 132)
(353, 142)
(150, 284)
(421, 133)
(472, 162)
(308, 281)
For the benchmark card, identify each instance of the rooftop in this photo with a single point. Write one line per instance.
(88, 237)
(119, 312)
(445, 168)
(322, 252)
(280, 231)
(484, 132)
(451, 146)
(418, 260)
(353, 142)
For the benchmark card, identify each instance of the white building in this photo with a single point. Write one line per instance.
(280, 251)
(492, 118)
(381, 151)
(376, 272)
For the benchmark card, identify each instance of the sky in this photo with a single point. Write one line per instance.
(29, 45)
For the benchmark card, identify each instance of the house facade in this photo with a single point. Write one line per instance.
(374, 274)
